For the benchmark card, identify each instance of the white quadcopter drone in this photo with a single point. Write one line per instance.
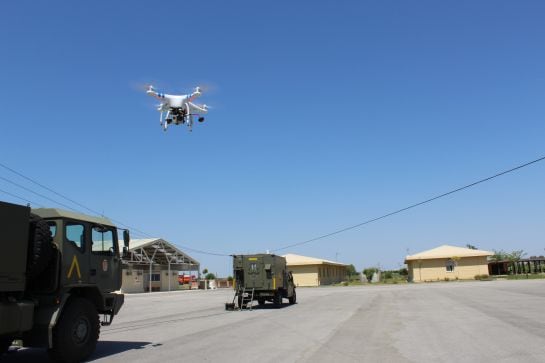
(179, 108)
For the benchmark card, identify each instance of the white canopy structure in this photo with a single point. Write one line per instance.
(152, 255)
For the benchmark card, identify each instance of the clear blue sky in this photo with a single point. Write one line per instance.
(327, 114)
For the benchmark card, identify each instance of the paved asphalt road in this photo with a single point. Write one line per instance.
(498, 321)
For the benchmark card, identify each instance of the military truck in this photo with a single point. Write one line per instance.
(58, 272)
(262, 277)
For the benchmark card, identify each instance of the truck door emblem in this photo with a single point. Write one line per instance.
(105, 265)
(76, 265)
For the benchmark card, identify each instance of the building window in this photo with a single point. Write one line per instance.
(450, 266)
(156, 277)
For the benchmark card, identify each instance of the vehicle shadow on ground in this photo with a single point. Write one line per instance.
(267, 306)
(103, 349)
(107, 348)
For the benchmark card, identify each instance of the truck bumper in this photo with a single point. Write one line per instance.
(119, 299)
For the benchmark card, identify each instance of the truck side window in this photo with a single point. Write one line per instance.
(74, 234)
(103, 241)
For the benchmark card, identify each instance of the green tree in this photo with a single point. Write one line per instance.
(210, 276)
(500, 255)
(351, 271)
(368, 272)
(514, 257)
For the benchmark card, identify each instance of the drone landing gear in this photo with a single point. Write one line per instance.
(167, 122)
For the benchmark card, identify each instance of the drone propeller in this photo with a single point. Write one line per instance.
(206, 87)
(140, 86)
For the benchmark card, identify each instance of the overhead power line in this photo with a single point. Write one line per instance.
(38, 194)
(82, 206)
(50, 190)
(409, 207)
(19, 197)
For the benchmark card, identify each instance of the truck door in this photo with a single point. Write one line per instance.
(104, 261)
(254, 278)
(74, 262)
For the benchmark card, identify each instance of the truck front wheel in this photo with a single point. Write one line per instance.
(293, 298)
(76, 333)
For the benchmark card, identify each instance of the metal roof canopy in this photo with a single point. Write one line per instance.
(157, 251)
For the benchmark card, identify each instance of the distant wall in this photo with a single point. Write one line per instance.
(331, 274)
(173, 280)
(305, 275)
(436, 269)
(133, 281)
(316, 275)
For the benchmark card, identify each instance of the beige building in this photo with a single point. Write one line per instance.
(153, 264)
(447, 263)
(309, 271)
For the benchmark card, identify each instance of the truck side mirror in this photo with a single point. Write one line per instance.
(126, 238)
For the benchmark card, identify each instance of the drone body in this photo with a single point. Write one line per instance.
(179, 109)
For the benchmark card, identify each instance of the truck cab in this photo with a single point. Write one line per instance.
(61, 280)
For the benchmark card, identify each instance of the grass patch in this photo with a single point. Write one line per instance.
(526, 277)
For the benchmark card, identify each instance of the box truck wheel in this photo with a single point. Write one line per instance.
(75, 335)
(277, 299)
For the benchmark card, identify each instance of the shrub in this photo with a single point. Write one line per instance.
(447, 279)
(210, 276)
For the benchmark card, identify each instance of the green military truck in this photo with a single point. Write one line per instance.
(262, 277)
(59, 271)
